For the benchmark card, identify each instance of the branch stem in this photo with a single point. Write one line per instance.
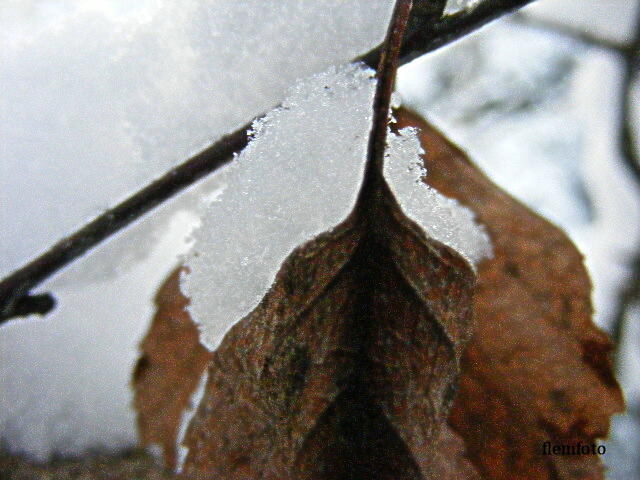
(15, 299)
(386, 74)
(425, 33)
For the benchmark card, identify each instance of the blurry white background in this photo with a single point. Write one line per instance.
(98, 97)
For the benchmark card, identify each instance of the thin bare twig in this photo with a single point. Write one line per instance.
(15, 299)
(386, 74)
(427, 31)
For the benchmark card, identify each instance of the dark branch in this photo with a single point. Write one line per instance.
(426, 32)
(14, 290)
(386, 74)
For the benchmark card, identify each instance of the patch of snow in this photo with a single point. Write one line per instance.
(442, 218)
(298, 177)
(311, 149)
(100, 97)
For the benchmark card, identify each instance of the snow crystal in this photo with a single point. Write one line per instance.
(297, 178)
(99, 97)
(442, 218)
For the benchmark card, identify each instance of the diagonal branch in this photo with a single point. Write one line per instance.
(386, 74)
(15, 299)
(427, 30)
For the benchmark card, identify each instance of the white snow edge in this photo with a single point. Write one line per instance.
(298, 177)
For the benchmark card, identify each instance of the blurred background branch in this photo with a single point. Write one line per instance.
(629, 53)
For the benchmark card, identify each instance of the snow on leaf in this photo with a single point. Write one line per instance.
(297, 178)
(347, 364)
(442, 218)
(324, 355)
(349, 360)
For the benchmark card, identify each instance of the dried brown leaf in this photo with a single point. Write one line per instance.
(168, 371)
(346, 369)
(536, 369)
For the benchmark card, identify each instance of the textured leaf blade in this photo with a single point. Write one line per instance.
(536, 369)
(171, 363)
(356, 379)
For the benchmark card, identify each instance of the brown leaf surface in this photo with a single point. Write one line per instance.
(326, 379)
(168, 370)
(346, 369)
(536, 369)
